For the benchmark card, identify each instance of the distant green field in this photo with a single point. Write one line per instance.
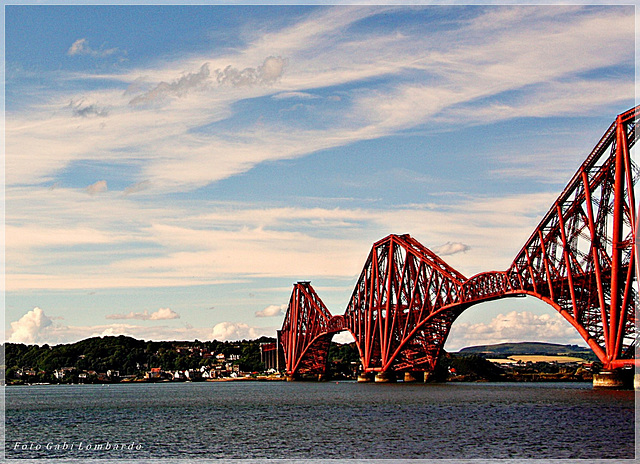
(537, 358)
(554, 351)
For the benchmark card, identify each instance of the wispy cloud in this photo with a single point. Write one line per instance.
(81, 47)
(472, 75)
(178, 88)
(171, 245)
(137, 187)
(34, 238)
(86, 110)
(267, 73)
(299, 95)
(98, 187)
(160, 314)
(451, 248)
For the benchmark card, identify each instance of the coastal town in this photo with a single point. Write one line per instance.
(223, 368)
(124, 359)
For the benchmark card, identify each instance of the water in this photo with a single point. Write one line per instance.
(300, 420)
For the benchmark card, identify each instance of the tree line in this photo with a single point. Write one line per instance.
(129, 356)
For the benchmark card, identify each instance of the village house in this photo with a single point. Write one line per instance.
(62, 373)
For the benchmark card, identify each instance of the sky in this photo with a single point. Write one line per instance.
(172, 171)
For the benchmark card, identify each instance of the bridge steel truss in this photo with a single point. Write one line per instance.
(582, 259)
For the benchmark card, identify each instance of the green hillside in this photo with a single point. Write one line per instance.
(504, 350)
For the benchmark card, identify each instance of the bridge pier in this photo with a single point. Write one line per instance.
(416, 376)
(365, 377)
(410, 376)
(617, 379)
(385, 377)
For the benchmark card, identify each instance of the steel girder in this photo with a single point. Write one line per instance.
(582, 259)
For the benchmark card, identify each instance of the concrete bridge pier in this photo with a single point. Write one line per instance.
(416, 376)
(617, 379)
(410, 376)
(385, 377)
(365, 377)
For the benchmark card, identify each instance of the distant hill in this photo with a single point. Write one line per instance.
(504, 350)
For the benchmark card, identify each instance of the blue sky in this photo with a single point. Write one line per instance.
(171, 171)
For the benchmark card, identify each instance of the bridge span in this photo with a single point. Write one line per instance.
(582, 260)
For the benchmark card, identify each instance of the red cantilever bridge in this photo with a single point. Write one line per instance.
(582, 259)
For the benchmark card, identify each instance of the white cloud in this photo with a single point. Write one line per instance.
(78, 47)
(164, 313)
(160, 314)
(343, 338)
(98, 187)
(81, 47)
(513, 327)
(30, 328)
(178, 88)
(233, 331)
(137, 187)
(300, 95)
(272, 311)
(267, 73)
(450, 248)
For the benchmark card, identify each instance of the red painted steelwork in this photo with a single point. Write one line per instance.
(307, 331)
(401, 286)
(582, 259)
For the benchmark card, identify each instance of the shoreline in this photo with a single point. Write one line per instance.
(283, 379)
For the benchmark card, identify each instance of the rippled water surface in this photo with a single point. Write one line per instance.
(319, 420)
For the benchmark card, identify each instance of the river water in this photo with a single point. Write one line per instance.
(328, 420)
